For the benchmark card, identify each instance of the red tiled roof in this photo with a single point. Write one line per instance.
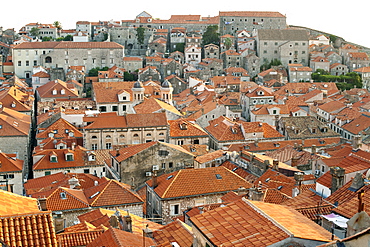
(185, 128)
(177, 232)
(117, 238)
(190, 182)
(60, 129)
(10, 164)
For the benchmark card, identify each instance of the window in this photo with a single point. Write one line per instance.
(170, 165)
(27, 63)
(124, 108)
(47, 173)
(34, 62)
(48, 60)
(53, 158)
(86, 170)
(69, 157)
(103, 108)
(9, 176)
(19, 63)
(180, 142)
(108, 145)
(94, 146)
(63, 195)
(175, 209)
(114, 108)
(163, 153)
(163, 165)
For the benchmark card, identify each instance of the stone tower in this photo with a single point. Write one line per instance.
(166, 92)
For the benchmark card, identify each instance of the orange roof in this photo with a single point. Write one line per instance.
(13, 126)
(357, 125)
(185, 128)
(210, 156)
(78, 238)
(274, 180)
(41, 74)
(60, 129)
(238, 224)
(12, 204)
(191, 182)
(332, 106)
(10, 164)
(177, 231)
(224, 129)
(116, 238)
(57, 87)
(251, 14)
(112, 120)
(154, 105)
(110, 193)
(362, 70)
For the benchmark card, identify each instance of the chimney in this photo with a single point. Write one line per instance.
(127, 223)
(275, 165)
(117, 152)
(42, 204)
(256, 193)
(298, 177)
(361, 204)
(73, 182)
(113, 221)
(356, 142)
(154, 180)
(242, 191)
(337, 179)
(59, 222)
(357, 182)
(294, 161)
(313, 149)
(73, 146)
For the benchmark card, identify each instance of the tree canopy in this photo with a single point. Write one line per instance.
(344, 82)
(58, 25)
(95, 71)
(34, 31)
(211, 36)
(140, 35)
(267, 65)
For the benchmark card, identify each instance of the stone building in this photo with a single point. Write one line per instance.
(288, 46)
(231, 58)
(230, 22)
(64, 54)
(153, 157)
(170, 194)
(108, 129)
(211, 51)
(12, 173)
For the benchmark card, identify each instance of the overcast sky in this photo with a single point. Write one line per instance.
(349, 21)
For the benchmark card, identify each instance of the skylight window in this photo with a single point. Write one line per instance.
(218, 176)
(280, 187)
(95, 194)
(267, 179)
(169, 177)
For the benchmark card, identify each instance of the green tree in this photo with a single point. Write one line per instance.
(128, 76)
(228, 43)
(58, 25)
(68, 38)
(180, 47)
(95, 71)
(140, 31)
(34, 31)
(211, 36)
(46, 38)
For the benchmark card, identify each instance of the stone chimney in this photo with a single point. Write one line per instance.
(59, 222)
(337, 180)
(313, 149)
(298, 177)
(154, 180)
(275, 165)
(356, 142)
(361, 220)
(357, 182)
(127, 223)
(42, 204)
(256, 193)
(113, 221)
(294, 161)
(242, 191)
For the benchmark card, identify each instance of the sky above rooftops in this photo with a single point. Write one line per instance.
(325, 16)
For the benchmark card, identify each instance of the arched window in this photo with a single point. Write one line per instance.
(94, 137)
(136, 135)
(148, 134)
(108, 137)
(48, 60)
(121, 136)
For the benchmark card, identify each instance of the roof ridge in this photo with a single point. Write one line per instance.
(101, 192)
(168, 187)
(67, 190)
(275, 222)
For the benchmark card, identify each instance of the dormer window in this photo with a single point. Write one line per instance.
(92, 157)
(260, 93)
(62, 91)
(54, 92)
(13, 104)
(63, 195)
(53, 158)
(183, 126)
(71, 133)
(51, 134)
(69, 157)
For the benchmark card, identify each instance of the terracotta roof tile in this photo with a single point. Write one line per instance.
(80, 238)
(116, 238)
(176, 231)
(189, 182)
(60, 129)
